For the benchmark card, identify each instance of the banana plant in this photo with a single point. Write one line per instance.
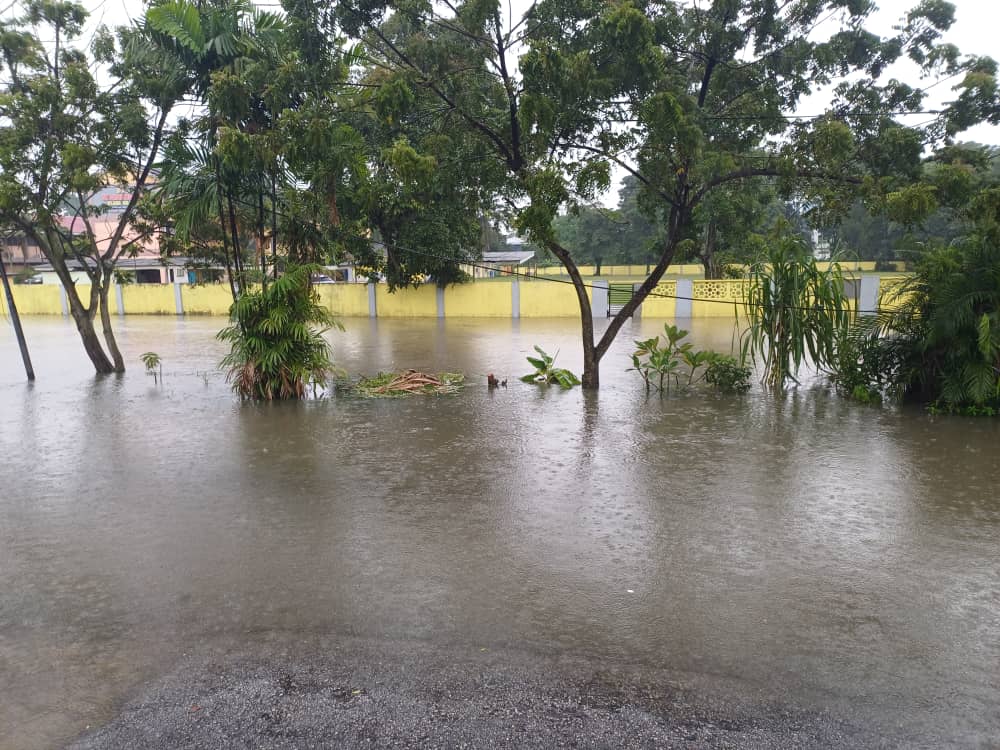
(546, 373)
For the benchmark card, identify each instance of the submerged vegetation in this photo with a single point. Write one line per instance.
(678, 361)
(153, 365)
(277, 349)
(404, 137)
(940, 343)
(795, 309)
(546, 373)
(408, 383)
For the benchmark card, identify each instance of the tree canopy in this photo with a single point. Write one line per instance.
(65, 133)
(690, 100)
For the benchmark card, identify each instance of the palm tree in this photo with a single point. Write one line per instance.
(226, 51)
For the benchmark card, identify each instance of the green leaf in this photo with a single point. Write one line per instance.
(985, 339)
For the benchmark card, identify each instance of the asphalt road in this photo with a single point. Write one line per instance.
(358, 693)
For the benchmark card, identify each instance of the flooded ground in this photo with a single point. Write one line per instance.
(805, 548)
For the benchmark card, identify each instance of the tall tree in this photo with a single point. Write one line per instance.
(221, 166)
(64, 135)
(689, 100)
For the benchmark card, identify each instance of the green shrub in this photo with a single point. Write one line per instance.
(940, 343)
(728, 374)
(658, 365)
(276, 338)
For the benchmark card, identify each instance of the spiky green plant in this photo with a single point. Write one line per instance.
(795, 311)
(276, 339)
(657, 364)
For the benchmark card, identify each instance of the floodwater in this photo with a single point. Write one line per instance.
(805, 546)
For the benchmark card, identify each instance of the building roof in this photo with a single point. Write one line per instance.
(508, 256)
(140, 261)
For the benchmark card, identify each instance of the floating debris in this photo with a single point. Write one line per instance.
(408, 383)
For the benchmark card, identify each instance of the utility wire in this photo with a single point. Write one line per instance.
(520, 274)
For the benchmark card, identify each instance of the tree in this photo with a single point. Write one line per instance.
(730, 225)
(64, 136)
(954, 173)
(340, 168)
(595, 234)
(937, 340)
(277, 349)
(220, 165)
(412, 190)
(689, 100)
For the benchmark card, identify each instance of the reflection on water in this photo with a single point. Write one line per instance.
(810, 547)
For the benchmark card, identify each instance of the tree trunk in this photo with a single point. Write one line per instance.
(712, 268)
(708, 258)
(109, 334)
(15, 319)
(82, 316)
(591, 357)
(91, 343)
(591, 360)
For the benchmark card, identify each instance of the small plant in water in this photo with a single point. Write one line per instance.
(546, 373)
(728, 374)
(678, 361)
(658, 365)
(154, 365)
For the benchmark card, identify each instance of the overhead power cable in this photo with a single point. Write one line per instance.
(472, 263)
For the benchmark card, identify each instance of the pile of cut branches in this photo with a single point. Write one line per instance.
(408, 383)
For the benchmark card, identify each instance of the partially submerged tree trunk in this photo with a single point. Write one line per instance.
(15, 319)
(591, 359)
(593, 351)
(83, 316)
(109, 334)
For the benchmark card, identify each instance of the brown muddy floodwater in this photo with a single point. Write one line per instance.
(802, 546)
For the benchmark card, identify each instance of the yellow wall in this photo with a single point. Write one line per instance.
(690, 269)
(717, 298)
(344, 300)
(484, 300)
(406, 303)
(44, 299)
(888, 297)
(478, 299)
(149, 299)
(36, 299)
(544, 299)
(661, 307)
(204, 299)
(684, 269)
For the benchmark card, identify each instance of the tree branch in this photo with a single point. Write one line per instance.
(140, 184)
(747, 172)
(477, 124)
(624, 165)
